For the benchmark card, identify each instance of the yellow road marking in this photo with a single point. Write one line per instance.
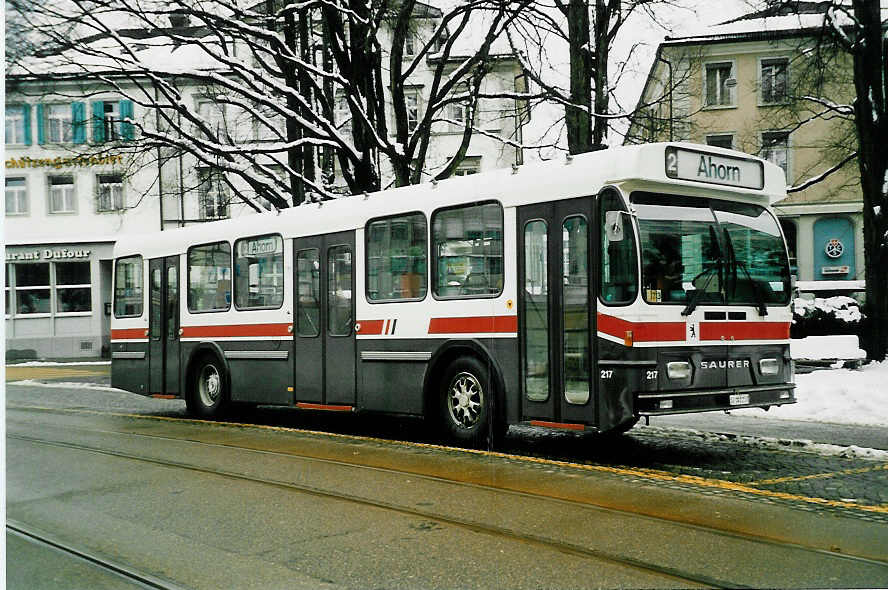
(765, 482)
(652, 474)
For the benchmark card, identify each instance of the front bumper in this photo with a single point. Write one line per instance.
(706, 400)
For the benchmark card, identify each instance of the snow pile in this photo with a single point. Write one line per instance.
(841, 307)
(815, 348)
(841, 396)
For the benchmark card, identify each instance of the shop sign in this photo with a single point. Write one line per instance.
(58, 162)
(48, 254)
(834, 248)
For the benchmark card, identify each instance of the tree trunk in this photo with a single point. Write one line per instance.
(577, 117)
(602, 95)
(871, 82)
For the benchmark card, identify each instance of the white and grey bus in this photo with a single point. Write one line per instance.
(579, 294)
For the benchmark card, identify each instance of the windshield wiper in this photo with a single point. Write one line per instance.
(692, 300)
(756, 289)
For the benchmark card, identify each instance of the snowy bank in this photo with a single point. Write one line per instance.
(841, 396)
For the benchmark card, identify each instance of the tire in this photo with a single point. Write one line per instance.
(208, 395)
(465, 401)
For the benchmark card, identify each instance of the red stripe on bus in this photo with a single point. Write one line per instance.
(370, 327)
(744, 330)
(562, 425)
(235, 330)
(642, 331)
(308, 406)
(488, 324)
(162, 396)
(128, 334)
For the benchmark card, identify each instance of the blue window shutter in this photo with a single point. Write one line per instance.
(41, 132)
(78, 121)
(98, 121)
(26, 113)
(127, 131)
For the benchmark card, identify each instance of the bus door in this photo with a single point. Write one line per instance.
(323, 330)
(163, 327)
(556, 319)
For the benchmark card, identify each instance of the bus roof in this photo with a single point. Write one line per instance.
(701, 171)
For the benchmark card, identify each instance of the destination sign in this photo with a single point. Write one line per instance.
(260, 246)
(684, 164)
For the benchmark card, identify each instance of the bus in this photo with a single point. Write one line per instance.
(578, 294)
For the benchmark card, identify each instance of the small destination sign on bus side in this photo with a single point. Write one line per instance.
(684, 164)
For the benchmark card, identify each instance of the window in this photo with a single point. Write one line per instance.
(110, 193)
(128, 287)
(468, 251)
(339, 291)
(212, 194)
(212, 113)
(410, 44)
(259, 273)
(32, 288)
(774, 80)
(308, 313)
(470, 165)
(723, 140)
(619, 266)
(719, 84)
(775, 149)
(16, 196)
(61, 194)
(58, 123)
(73, 287)
(108, 120)
(535, 311)
(396, 258)
(7, 292)
(458, 112)
(209, 277)
(18, 128)
(411, 98)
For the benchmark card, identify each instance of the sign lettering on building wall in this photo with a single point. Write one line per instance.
(58, 162)
(47, 254)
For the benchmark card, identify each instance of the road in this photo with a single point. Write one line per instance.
(157, 500)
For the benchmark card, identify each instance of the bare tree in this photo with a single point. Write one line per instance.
(285, 99)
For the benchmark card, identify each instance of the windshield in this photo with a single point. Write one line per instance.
(710, 251)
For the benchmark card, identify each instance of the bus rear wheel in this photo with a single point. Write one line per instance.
(208, 395)
(464, 402)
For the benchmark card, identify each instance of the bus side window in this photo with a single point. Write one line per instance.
(618, 268)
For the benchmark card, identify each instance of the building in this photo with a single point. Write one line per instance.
(78, 176)
(743, 85)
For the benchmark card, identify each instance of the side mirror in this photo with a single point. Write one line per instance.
(613, 226)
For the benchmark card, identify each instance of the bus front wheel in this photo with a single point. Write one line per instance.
(208, 397)
(465, 398)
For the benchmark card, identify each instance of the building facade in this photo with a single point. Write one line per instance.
(77, 177)
(759, 85)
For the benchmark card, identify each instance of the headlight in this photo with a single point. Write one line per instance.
(769, 366)
(678, 370)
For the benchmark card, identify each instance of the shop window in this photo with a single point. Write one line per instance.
(16, 196)
(259, 273)
(73, 287)
(209, 277)
(396, 258)
(62, 194)
(128, 287)
(32, 288)
(468, 251)
(110, 193)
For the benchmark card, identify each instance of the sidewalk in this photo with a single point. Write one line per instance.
(22, 372)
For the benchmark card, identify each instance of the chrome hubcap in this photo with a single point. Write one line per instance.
(465, 399)
(210, 385)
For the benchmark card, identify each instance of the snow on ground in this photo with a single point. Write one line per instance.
(841, 396)
(826, 347)
(58, 363)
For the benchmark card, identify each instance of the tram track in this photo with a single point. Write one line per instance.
(680, 576)
(98, 562)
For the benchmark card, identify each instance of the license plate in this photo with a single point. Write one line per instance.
(738, 399)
